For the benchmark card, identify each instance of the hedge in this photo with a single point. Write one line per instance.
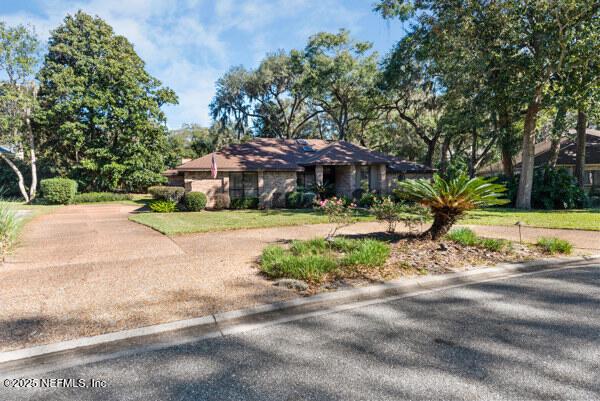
(92, 197)
(244, 203)
(161, 192)
(57, 191)
(299, 200)
(194, 201)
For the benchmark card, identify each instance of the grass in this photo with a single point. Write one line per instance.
(467, 237)
(205, 221)
(554, 245)
(97, 197)
(311, 260)
(588, 219)
(11, 225)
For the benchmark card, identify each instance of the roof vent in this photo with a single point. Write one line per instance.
(308, 149)
(301, 141)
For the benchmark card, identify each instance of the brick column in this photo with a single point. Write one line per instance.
(319, 174)
(262, 198)
(383, 179)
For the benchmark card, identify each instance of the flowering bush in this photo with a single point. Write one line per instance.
(338, 213)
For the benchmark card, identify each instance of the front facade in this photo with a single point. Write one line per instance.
(268, 169)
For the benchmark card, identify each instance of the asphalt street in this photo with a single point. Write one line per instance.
(529, 337)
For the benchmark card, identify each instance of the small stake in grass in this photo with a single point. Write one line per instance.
(519, 224)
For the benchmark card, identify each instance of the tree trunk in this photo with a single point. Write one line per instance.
(442, 222)
(528, 152)
(19, 176)
(558, 129)
(505, 147)
(444, 156)
(33, 187)
(473, 159)
(580, 157)
(430, 152)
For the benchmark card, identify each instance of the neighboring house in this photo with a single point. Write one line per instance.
(269, 168)
(566, 157)
(9, 151)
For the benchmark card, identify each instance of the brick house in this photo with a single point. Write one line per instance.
(267, 169)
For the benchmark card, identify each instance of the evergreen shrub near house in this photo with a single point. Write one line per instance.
(221, 201)
(163, 192)
(553, 188)
(194, 201)
(58, 191)
(163, 206)
(300, 199)
(244, 203)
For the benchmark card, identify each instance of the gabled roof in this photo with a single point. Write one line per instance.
(293, 155)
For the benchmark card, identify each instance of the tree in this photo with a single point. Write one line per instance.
(338, 76)
(101, 116)
(18, 99)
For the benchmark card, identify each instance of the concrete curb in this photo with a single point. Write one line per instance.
(106, 346)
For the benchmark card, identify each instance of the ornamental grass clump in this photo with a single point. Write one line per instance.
(448, 200)
(9, 227)
(312, 260)
(555, 245)
(466, 237)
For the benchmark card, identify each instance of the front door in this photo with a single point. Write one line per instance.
(329, 180)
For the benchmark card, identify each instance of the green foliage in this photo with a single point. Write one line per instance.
(556, 189)
(553, 189)
(58, 191)
(368, 199)
(389, 212)
(194, 201)
(92, 197)
(311, 260)
(450, 199)
(299, 200)
(101, 115)
(163, 206)
(370, 253)
(337, 213)
(463, 236)
(9, 227)
(162, 192)
(221, 201)
(244, 203)
(554, 245)
(467, 237)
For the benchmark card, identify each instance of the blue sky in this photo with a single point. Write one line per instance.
(189, 44)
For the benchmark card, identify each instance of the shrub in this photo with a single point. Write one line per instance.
(450, 199)
(162, 192)
(337, 213)
(551, 189)
(221, 201)
(494, 244)
(387, 211)
(244, 203)
(309, 199)
(58, 191)
(555, 245)
(194, 201)
(293, 200)
(9, 227)
(163, 206)
(91, 197)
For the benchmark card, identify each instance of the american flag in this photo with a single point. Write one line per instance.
(213, 167)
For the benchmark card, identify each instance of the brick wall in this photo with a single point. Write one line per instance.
(275, 185)
(201, 181)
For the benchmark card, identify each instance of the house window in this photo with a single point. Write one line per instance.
(243, 185)
(306, 179)
(592, 177)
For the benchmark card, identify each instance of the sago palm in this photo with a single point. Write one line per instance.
(450, 199)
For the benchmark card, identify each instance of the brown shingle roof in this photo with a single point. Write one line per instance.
(292, 155)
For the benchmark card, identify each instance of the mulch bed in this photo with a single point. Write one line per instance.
(412, 256)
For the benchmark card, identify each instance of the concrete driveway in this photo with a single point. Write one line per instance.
(534, 337)
(87, 269)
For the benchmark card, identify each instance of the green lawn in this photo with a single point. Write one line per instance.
(569, 219)
(197, 222)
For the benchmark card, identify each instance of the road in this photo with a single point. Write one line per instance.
(530, 337)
